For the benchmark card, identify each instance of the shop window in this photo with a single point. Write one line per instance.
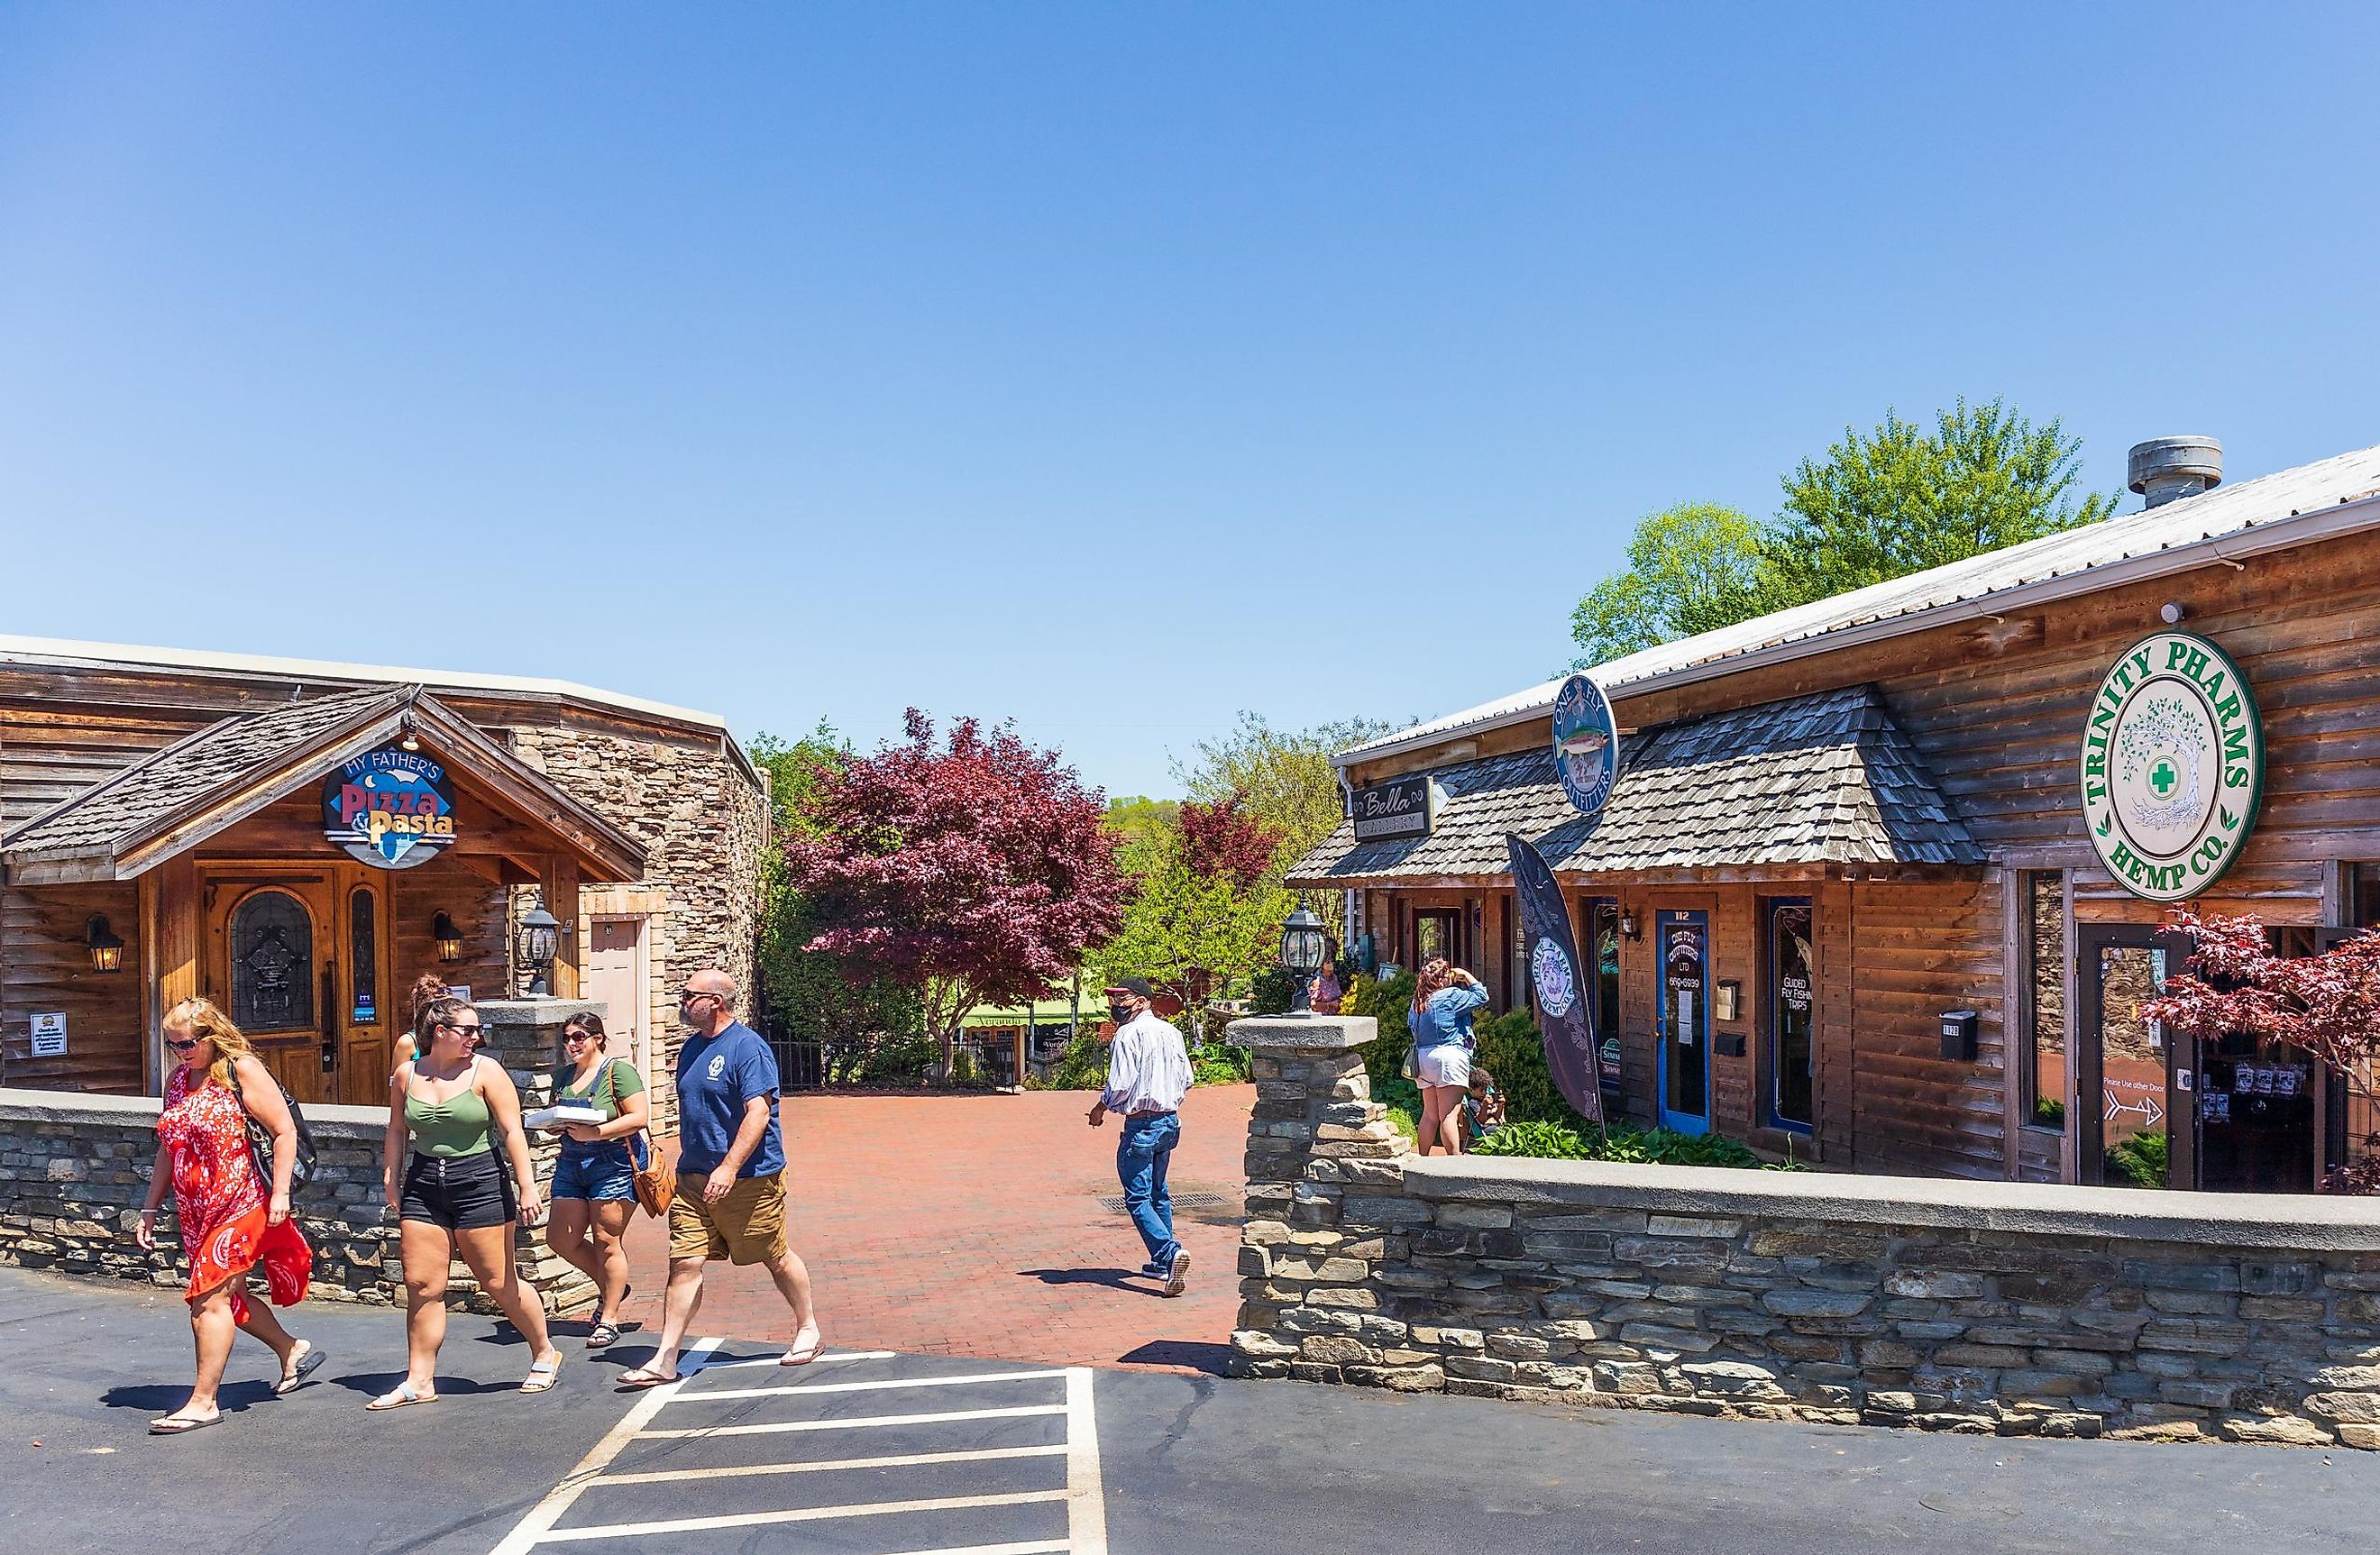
(272, 963)
(1603, 949)
(2363, 895)
(363, 956)
(1792, 1017)
(1437, 932)
(2045, 1004)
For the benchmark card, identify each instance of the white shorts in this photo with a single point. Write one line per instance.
(1449, 1064)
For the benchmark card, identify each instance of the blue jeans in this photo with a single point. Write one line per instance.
(1141, 1156)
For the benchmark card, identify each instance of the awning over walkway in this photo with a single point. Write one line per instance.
(205, 784)
(1829, 779)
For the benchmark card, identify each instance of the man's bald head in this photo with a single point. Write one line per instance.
(707, 1002)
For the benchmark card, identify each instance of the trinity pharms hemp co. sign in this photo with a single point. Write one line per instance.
(2173, 767)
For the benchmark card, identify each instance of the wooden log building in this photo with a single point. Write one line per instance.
(1839, 828)
(298, 840)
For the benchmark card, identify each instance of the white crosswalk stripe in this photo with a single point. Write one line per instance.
(965, 1477)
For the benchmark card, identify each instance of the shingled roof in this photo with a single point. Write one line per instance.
(172, 800)
(190, 769)
(1825, 779)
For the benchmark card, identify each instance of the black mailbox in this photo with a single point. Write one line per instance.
(1959, 1028)
(1728, 1044)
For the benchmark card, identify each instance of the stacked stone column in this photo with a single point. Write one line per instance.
(1324, 1168)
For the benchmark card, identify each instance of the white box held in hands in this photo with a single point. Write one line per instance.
(561, 1113)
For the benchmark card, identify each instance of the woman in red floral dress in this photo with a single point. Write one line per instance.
(231, 1221)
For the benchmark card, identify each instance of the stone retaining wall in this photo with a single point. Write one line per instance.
(2014, 1308)
(74, 1172)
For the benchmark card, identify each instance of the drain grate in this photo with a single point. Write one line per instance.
(1181, 1201)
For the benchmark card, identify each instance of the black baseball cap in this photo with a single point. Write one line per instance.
(1132, 984)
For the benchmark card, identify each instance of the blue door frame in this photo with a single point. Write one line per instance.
(1684, 946)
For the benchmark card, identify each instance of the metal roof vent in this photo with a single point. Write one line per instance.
(2166, 468)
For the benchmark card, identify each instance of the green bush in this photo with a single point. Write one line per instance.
(1512, 1050)
(2139, 1162)
(1537, 1140)
(1386, 1002)
(1658, 1146)
(1082, 1067)
(1270, 990)
(1219, 1063)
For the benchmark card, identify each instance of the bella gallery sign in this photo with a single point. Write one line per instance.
(1401, 808)
(2173, 767)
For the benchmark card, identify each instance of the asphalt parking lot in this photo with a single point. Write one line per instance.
(870, 1452)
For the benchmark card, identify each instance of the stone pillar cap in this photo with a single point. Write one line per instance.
(1266, 1034)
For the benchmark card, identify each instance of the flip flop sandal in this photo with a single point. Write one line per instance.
(641, 1379)
(603, 1336)
(180, 1425)
(542, 1375)
(399, 1396)
(308, 1364)
(803, 1357)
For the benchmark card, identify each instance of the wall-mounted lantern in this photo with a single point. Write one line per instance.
(106, 949)
(1629, 928)
(449, 937)
(538, 941)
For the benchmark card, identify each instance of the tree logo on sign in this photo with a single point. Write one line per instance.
(2172, 767)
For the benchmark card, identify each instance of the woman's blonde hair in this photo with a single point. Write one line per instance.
(203, 1020)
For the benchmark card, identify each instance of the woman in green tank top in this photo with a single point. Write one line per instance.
(453, 1197)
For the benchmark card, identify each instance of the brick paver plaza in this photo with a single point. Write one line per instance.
(973, 1225)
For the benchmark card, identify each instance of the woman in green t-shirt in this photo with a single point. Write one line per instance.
(594, 1181)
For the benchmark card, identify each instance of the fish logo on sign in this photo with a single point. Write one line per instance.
(1586, 743)
(389, 808)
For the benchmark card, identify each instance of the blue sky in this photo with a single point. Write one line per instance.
(1112, 369)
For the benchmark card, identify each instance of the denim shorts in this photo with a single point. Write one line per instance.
(1449, 1064)
(597, 1171)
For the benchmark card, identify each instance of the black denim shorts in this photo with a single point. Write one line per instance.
(460, 1193)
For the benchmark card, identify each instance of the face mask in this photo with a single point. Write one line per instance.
(1120, 1013)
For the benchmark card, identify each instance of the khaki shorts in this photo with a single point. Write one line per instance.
(745, 1226)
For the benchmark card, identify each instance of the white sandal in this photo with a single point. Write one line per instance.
(401, 1395)
(542, 1375)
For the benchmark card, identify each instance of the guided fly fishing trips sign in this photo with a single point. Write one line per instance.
(389, 808)
(2173, 767)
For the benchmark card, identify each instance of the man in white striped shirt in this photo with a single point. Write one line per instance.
(1148, 1074)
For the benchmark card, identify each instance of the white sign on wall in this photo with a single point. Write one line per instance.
(50, 1033)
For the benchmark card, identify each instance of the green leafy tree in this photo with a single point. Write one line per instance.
(1195, 935)
(1285, 780)
(1137, 814)
(869, 1028)
(1691, 568)
(1901, 499)
(1881, 505)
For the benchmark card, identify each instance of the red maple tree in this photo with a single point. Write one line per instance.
(1222, 840)
(976, 871)
(2327, 1004)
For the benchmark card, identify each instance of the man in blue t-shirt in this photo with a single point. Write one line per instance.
(731, 1174)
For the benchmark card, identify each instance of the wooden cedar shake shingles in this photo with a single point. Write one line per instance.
(1822, 779)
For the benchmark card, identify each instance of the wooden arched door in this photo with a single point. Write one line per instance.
(298, 959)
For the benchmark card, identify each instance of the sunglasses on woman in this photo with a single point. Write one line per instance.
(572, 1039)
(184, 1046)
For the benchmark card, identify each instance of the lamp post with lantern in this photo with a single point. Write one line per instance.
(1302, 950)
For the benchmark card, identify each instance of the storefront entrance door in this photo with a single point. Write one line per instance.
(2122, 1088)
(298, 959)
(1685, 1021)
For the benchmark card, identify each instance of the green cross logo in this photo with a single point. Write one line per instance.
(2162, 777)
